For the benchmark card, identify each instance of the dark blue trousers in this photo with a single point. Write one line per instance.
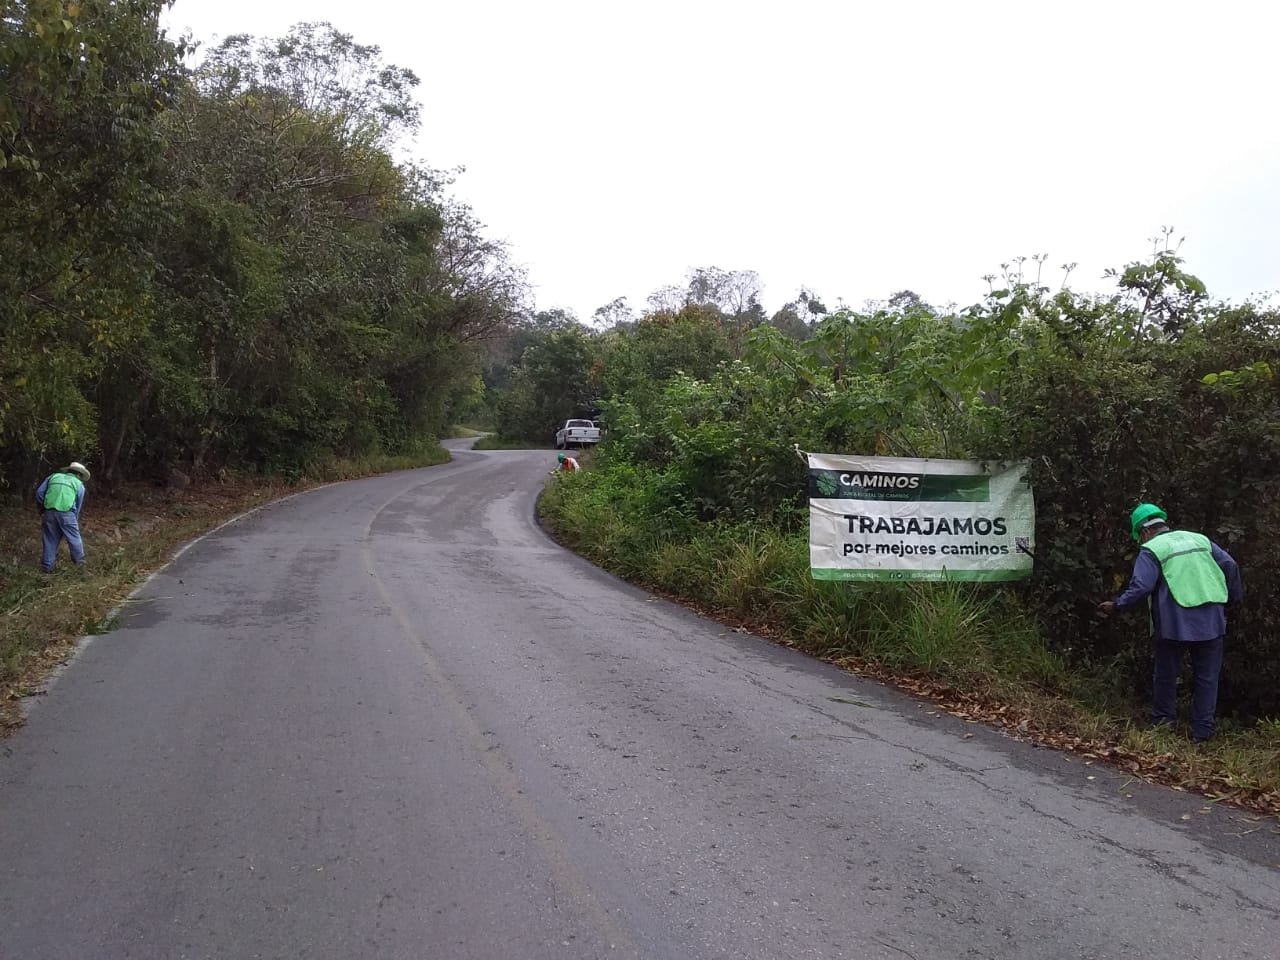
(1206, 664)
(56, 526)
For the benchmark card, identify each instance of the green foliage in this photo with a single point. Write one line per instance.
(555, 380)
(320, 73)
(224, 267)
(692, 341)
(1106, 421)
(1165, 297)
(892, 382)
(81, 86)
(963, 632)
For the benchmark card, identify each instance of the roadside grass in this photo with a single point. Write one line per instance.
(331, 469)
(971, 649)
(463, 432)
(127, 535)
(494, 442)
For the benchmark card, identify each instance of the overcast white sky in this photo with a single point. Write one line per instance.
(855, 148)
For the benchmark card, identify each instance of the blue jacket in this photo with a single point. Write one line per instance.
(1169, 621)
(44, 487)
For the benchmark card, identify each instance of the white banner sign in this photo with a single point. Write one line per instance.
(886, 518)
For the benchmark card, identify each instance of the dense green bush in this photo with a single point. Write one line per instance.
(1191, 421)
(553, 382)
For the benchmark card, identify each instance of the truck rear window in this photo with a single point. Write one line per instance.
(580, 423)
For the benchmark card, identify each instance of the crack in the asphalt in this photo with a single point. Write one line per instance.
(1166, 870)
(885, 943)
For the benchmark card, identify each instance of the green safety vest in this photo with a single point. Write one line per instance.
(1186, 561)
(62, 491)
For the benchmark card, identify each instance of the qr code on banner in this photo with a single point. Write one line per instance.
(1022, 543)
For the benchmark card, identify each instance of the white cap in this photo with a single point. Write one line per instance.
(80, 468)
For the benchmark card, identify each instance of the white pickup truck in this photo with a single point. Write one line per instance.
(577, 433)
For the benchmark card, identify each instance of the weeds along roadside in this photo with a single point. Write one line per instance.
(972, 649)
(127, 536)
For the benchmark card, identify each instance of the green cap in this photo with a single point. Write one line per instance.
(1141, 514)
(560, 457)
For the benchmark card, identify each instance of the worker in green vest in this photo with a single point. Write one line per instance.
(60, 499)
(1188, 580)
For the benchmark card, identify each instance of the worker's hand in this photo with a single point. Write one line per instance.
(1107, 608)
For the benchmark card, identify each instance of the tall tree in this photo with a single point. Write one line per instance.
(615, 313)
(80, 85)
(556, 379)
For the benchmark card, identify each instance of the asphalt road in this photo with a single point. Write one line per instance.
(391, 719)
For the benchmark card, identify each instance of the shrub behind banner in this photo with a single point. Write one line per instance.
(1191, 423)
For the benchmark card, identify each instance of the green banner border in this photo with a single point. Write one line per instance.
(933, 488)
(903, 576)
